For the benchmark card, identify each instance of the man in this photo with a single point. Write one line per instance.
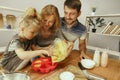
(71, 28)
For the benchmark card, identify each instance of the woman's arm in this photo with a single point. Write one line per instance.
(40, 48)
(36, 47)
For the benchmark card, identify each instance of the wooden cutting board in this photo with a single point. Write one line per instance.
(75, 70)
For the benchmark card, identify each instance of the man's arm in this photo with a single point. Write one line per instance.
(82, 48)
(82, 45)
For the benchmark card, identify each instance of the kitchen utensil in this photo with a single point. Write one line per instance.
(90, 76)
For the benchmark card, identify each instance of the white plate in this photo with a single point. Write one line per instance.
(87, 63)
(67, 75)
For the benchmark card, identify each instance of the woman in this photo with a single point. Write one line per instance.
(50, 23)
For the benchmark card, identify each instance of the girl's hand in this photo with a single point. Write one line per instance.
(43, 52)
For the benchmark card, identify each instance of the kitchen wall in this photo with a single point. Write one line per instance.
(102, 6)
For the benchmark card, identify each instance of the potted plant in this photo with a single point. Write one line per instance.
(96, 22)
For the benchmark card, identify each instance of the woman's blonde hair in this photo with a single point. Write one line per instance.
(51, 10)
(30, 17)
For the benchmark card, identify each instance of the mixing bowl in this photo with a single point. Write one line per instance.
(14, 76)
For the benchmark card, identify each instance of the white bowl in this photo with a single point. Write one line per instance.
(87, 63)
(15, 76)
(67, 75)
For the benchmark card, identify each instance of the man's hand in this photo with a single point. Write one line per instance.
(83, 55)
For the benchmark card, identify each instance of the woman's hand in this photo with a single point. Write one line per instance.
(50, 50)
(69, 46)
(36, 47)
(33, 47)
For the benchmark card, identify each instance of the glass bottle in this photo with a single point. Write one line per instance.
(96, 57)
(104, 58)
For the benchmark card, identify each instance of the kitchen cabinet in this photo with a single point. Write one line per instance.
(107, 34)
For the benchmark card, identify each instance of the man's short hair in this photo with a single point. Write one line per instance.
(74, 4)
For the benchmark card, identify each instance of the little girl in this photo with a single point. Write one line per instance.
(17, 53)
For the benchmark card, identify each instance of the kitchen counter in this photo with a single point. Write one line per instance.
(111, 72)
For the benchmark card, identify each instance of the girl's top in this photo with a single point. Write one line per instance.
(10, 61)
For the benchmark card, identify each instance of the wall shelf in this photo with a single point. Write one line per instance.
(104, 34)
(104, 31)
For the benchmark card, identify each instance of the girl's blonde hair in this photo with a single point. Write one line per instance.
(30, 17)
(51, 10)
